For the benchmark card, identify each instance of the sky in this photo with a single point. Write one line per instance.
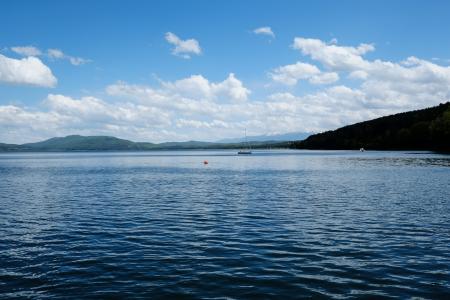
(160, 71)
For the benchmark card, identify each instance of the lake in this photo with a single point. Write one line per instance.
(275, 224)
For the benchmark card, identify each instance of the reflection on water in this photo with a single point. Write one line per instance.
(276, 224)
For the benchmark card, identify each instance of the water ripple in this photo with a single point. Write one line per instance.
(274, 225)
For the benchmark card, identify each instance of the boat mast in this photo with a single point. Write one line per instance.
(247, 145)
(245, 134)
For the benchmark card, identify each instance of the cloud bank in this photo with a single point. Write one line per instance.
(343, 87)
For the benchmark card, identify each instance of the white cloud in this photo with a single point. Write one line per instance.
(145, 94)
(197, 86)
(58, 54)
(86, 107)
(213, 124)
(291, 74)
(232, 88)
(358, 74)
(22, 125)
(51, 53)
(332, 56)
(90, 110)
(26, 71)
(76, 61)
(412, 83)
(88, 115)
(266, 30)
(189, 92)
(27, 51)
(183, 48)
(324, 78)
(55, 53)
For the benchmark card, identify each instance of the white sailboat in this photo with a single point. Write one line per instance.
(247, 149)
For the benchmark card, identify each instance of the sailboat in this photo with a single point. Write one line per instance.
(245, 150)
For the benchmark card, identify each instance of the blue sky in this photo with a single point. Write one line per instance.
(116, 72)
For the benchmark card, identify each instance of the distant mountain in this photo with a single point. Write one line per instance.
(109, 143)
(82, 143)
(9, 147)
(293, 136)
(425, 129)
(104, 143)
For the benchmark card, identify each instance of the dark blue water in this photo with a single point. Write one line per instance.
(287, 224)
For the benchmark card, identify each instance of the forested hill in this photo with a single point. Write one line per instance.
(82, 143)
(425, 129)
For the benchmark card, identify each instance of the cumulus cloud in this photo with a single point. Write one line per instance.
(266, 30)
(27, 51)
(197, 86)
(191, 95)
(91, 110)
(333, 56)
(411, 83)
(88, 108)
(232, 88)
(324, 78)
(58, 54)
(26, 71)
(291, 74)
(183, 48)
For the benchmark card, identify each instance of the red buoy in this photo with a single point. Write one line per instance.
(205, 162)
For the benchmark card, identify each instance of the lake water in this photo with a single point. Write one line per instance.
(276, 224)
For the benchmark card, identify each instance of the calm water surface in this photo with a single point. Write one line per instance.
(276, 224)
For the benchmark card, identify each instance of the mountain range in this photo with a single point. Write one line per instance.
(109, 143)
